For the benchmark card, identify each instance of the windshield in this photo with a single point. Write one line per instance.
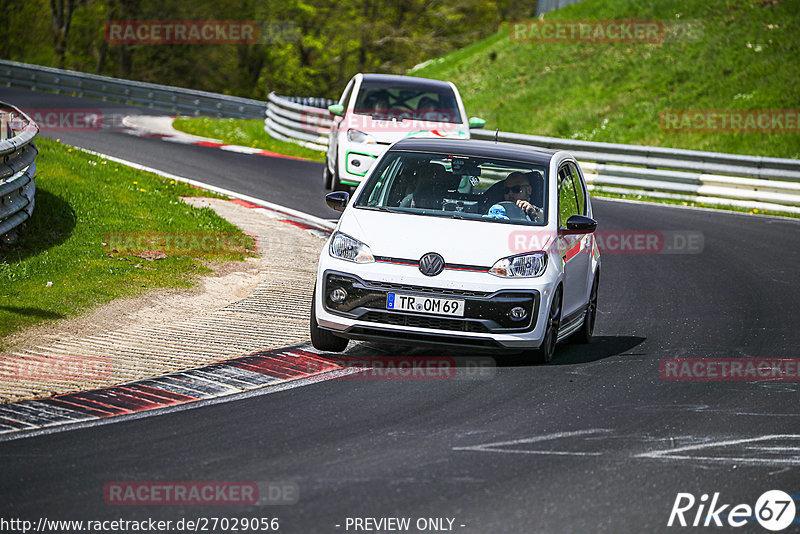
(381, 100)
(465, 187)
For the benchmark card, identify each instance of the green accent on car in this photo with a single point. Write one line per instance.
(476, 122)
(448, 135)
(336, 109)
(347, 163)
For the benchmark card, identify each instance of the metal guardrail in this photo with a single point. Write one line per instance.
(299, 120)
(154, 96)
(17, 170)
(752, 182)
(546, 6)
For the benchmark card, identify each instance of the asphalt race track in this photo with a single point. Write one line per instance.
(596, 442)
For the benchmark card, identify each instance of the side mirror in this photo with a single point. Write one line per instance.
(579, 224)
(337, 200)
(336, 109)
(476, 122)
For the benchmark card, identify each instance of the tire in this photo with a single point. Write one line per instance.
(546, 352)
(327, 177)
(584, 335)
(323, 339)
(337, 185)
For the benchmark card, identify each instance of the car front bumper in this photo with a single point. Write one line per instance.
(485, 324)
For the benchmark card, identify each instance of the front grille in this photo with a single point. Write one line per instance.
(431, 290)
(421, 321)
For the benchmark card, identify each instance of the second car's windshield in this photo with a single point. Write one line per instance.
(400, 102)
(467, 187)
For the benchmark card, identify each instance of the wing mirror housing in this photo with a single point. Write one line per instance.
(336, 109)
(579, 224)
(476, 122)
(337, 200)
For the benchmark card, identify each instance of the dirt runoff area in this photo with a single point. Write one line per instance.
(243, 307)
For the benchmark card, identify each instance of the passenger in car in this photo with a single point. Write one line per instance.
(433, 184)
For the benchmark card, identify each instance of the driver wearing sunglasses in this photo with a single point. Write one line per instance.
(517, 188)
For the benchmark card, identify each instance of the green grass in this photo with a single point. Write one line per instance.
(244, 133)
(739, 55)
(60, 267)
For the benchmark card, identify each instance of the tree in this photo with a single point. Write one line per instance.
(61, 11)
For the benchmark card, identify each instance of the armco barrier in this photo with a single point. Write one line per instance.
(752, 182)
(158, 97)
(303, 121)
(17, 170)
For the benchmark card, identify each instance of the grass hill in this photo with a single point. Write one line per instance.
(716, 55)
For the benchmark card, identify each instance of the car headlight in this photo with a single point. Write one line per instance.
(525, 266)
(356, 136)
(345, 247)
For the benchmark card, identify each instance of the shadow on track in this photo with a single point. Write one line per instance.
(566, 354)
(600, 348)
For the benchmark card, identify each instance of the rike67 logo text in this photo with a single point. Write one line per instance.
(774, 510)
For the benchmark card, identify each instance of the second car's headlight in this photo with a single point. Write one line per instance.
(346, 248)
(525, 266)
(356, 136)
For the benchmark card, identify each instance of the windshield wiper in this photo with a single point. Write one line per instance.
(448, 214)
(381, 208)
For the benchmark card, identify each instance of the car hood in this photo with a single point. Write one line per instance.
(465, 242)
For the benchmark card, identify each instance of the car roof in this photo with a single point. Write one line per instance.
(390, 79)
(473, 147)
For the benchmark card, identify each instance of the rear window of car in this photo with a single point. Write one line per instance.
(464, 187)
(392, 101)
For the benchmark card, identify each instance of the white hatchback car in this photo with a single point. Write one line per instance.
(376, 110)
(461, 242)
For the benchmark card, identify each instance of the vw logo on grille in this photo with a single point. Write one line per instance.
(431, 264)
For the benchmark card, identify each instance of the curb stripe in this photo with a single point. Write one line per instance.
(187, 140)
(229, 377)
(159, 393)
(170, 385)
(75, 406)
(244, 203)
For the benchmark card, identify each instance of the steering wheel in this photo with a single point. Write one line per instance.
(513, 212)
